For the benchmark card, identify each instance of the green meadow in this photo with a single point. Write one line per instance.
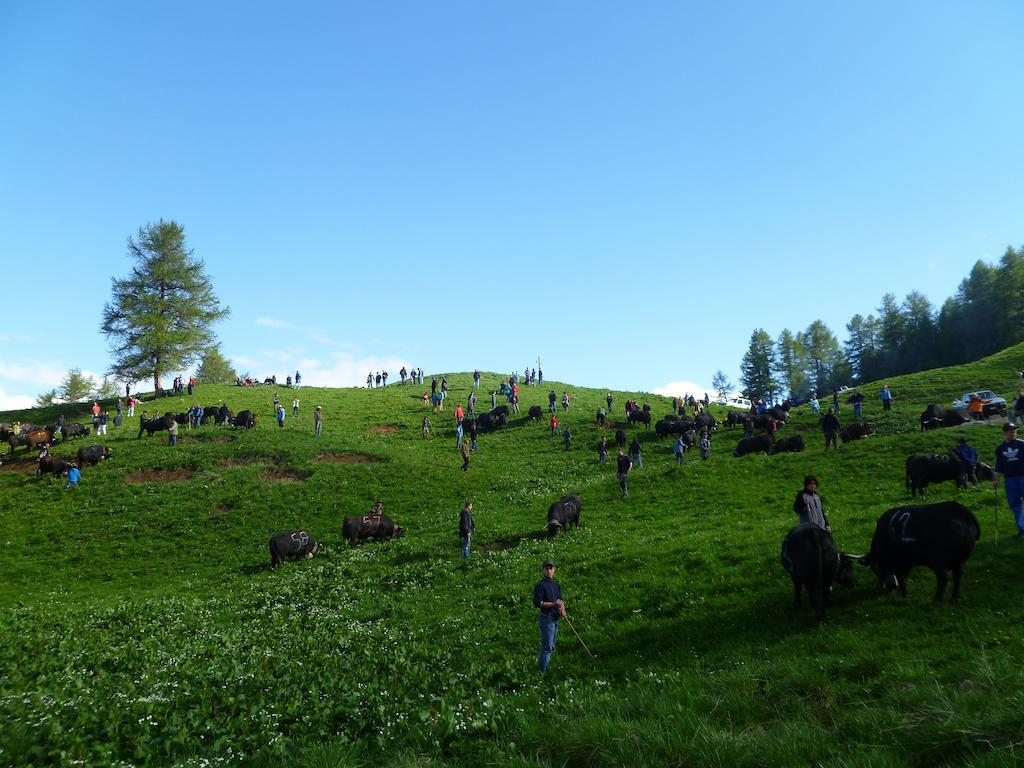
(141, 623)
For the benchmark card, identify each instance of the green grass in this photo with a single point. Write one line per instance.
(140, 623)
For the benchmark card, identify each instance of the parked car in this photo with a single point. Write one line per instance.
(994, 405)
(735, 402)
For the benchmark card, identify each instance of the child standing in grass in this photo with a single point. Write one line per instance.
(295, 407)
(74, 474)
(318, 421)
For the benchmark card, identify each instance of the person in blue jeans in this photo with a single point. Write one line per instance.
(547, 596)
(466, 528)
(1010, 464)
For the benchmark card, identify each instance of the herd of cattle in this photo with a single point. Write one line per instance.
(938, 536)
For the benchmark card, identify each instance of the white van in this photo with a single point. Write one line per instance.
(736, 402)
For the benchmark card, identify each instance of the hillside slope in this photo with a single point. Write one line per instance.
(141, 622)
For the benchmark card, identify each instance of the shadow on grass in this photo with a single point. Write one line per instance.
(251, 570)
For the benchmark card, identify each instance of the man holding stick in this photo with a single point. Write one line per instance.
(547, 596)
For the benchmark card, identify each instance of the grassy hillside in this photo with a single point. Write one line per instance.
(140, 623)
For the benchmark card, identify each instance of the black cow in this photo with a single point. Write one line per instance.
(159, 424)
(935, 416)
(484, 422)
(563, 513)
(781, 415)
(15, 440)
(635, 415)
(924, 469)
(755, 444)
(810, 557)
(223, 416)
(93, 455)
(705, 419)
(185, 419)
(620, 438)
(74, 430)
(938, 536)
(674, 427)
(245, 419)
(857, 431)
(737, 418)
(51, 465)
(378, 527)
(294, 544)
(209, 414)
(499, 410)
(791, 444)
(535, 413)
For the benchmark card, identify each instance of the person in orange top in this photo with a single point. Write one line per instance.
(458, 413)
(977, 408)
(554, 424)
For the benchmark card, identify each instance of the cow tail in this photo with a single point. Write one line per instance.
(907, 475)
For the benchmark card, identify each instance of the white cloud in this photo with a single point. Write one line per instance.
(680, 388)
(47, 373)
(272, 323)
(15, 402)
(345, 370)
(5, 337)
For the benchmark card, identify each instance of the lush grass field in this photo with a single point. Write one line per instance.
(140, 623)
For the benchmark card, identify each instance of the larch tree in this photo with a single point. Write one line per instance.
(160, 318)
(215, 368)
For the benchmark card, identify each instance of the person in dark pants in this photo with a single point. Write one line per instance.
(830, 426)
(623, 466)
(465, 454)
(466, 528)
(602, 450)
(318, 421)
(547, 596)
(858, 404)
(1010, 464)
(568, 437)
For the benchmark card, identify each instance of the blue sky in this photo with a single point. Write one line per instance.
(625, 191)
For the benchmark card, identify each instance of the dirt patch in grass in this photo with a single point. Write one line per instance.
(217, 439)
(349, 458)
(384, 429)
(285, 475)
(19, 466)
(500, 544)
(158, 476)
(221, 509)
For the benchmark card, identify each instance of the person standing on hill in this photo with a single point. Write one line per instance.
(886, 396)
(602, 450)
(554, 425)
(1018, 407)
(494, 399)
(967, 458)
(466, 528)
(565, 401)
(476, 379)
(318, 421)
(298, 379)
(172, 433)
(830, 426)
(623, 466)
(1010, 464)
(679, 450)
(609, 400)
(459, 414)
(547, 596)
(465, 454)
(552, 397)
(567, 434)
(280, 416)
(295, 406)
(815, 407)
(807, 504)
(74, 475)
(425, 427)
(858, 403)
(636, 453)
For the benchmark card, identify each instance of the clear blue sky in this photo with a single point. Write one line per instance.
(627, 191)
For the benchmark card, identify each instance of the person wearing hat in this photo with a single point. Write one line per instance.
(967, 456)
(1010, 464)
(547, 596)
(318, 421)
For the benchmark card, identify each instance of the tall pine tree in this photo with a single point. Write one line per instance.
(160, 318)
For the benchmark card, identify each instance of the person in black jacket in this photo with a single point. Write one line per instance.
(622, 468)
(466, 528)
(547, 596)
(830, 426)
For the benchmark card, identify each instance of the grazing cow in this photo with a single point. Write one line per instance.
(674, 427)
(938, 536)
(37, 437)
(184, 419)
(755, 444)
(499, 410)
(737, 418)
(485, 422)
(74, 430)
(245, 419)
(159, 424)
(635, 415)
(791, 444)
(501, 421)
(620, 438)
(294, 544)
(857, 431)
(378, 527)
(51, 465)
(563, 513)
(14, 441)
(781, 415)
(810, 557)
(705, 419)
(223, 416)
(535, 413)
(924, 469)
(209, 414)
(93, 455)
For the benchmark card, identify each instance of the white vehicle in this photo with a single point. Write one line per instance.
(994, 405)
(735, 402)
